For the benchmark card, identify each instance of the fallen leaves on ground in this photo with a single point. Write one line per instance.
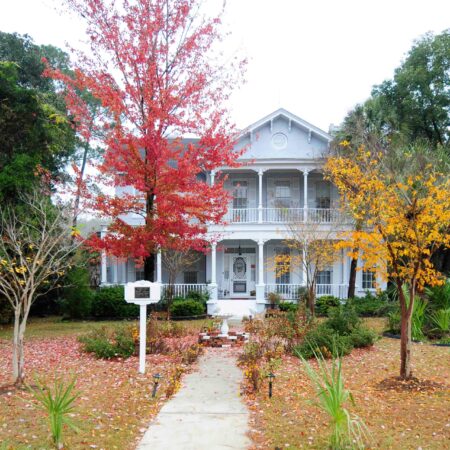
(397, 419)
(115, 404)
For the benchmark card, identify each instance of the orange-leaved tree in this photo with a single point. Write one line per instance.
(402, 197)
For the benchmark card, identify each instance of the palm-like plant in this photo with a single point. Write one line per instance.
(58, 403)
(441, 319)
(347, 430)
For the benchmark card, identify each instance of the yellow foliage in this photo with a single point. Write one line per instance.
(404, 221)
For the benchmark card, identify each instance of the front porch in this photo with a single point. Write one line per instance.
(239, 275)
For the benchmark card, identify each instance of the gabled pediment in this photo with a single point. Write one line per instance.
(283, 135)
(291, 119)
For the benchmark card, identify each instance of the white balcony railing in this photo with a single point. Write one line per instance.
(323, 215)
(242, 215)
(282, 215)
(181, 290)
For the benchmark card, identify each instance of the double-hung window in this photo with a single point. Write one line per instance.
(368, 279)
(324, 277)
(283, 193)
(240, 194)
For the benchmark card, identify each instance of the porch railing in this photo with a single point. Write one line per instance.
(287, 291)
(282, 215)
(181, 290)
(291, 291)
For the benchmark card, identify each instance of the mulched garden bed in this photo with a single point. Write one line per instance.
(412, 384)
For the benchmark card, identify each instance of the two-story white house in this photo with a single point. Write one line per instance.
(280, 182)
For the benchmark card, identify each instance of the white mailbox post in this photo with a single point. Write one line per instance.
(142, 293)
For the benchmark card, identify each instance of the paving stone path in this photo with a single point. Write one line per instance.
(207, 413)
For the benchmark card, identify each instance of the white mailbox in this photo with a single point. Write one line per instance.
(143, 292)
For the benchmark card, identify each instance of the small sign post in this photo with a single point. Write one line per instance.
(142, 293)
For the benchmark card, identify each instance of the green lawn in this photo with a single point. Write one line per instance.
(53, 327)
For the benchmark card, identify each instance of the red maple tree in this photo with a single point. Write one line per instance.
(153, 70)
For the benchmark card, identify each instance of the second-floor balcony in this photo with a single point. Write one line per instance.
(283, 215)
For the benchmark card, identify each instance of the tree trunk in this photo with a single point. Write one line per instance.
(149, 268)
(352, 277)
(18, 356)
(353, 266)
(312, 298)
(405, 346)
(78, 194)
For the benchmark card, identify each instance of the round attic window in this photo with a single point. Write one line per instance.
(279, 141)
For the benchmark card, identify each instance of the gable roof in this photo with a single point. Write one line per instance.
(291, 118)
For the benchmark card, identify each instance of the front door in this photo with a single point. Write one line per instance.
(239, 276)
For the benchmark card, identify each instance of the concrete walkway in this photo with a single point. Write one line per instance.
(206, 414)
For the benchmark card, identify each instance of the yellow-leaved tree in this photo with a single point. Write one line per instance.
(402, 198)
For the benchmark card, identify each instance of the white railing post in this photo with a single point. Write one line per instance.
(260, 195)
(305, 195)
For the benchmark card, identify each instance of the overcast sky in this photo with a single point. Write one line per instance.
(315, 58)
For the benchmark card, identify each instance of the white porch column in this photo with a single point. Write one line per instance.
(159, 267)
(305, 195)
(212, 174)
(213, 271)
(260, 262)
(260, 195)
(104, 273)
(116, 271)
(260, 286)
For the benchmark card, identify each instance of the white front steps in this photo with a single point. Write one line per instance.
(234, 308)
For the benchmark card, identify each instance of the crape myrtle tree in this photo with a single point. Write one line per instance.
(36, 250)
(401, 197)
(153, 71)
(311, 250)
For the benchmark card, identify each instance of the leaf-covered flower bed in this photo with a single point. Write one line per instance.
(397, 419)
(115, 404)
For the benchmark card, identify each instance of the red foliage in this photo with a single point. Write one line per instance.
(152, 71)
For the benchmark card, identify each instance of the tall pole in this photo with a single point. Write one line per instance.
(142, 336)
